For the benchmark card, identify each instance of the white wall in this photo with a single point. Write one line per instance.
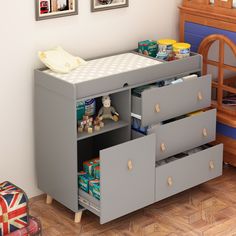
(88, 35)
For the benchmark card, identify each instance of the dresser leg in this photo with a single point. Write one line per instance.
(78, 216)
(49, 199)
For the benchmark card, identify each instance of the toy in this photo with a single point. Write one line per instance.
(98, 124)
(97, 127)
(107, 111)
(85, 124)
(90, 130)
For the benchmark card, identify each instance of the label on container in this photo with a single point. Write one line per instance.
(90, 107)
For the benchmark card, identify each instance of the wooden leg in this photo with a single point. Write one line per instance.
(49, 200)
(78, 216)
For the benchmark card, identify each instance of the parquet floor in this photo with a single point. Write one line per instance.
(208, 209)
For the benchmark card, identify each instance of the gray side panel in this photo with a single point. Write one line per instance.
(136, 105)
(175, 100)
(123, 190)
(56, 148)
(185, 134)
(121, 102)
(184, 66)
(54, 84)
(188, 172)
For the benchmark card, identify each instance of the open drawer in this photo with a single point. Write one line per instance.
(189, 171)
(127, 181)
(163, 103)
(184, 134)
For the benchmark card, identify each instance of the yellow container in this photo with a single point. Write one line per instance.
(181, 50)
(165, 46)
(166, 41)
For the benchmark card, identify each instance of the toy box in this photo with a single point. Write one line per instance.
(13, 208)
(84, 180)
(94, 188)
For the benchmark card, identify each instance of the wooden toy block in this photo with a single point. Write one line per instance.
(85, 117)
(80, 129)
(115, 118)
(90, 130)
(97, 127)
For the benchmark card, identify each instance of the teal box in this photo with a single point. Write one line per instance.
(94, 188)
(80, 110)
(148, 47)
(84, 179)
(96, 172)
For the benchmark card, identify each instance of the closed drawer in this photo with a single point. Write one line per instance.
(184, 134)
(127, 179)
(159, 104)
(184, 173)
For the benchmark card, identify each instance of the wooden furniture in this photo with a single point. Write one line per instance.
(218, 18)
(202, 23)
(136, 169)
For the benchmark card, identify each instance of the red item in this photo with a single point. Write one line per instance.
(44, 8)
(33, 229)
(13, 208)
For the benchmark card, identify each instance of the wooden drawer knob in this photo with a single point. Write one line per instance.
(204, 132)
(212, 165)
(163, 147)
(170, 181)
(130, 165)
(199, 96)
(157, 108)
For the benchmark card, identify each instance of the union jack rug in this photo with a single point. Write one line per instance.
(13, 208)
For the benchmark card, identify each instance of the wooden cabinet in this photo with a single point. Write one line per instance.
(207, 23)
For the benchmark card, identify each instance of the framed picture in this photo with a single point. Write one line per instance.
(101, 5)
(47, 9)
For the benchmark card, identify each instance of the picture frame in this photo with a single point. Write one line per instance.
(48, 9)
(102, 5)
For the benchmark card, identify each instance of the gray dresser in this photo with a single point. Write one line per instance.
(134, 173)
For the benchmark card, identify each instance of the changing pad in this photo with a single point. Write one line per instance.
(106, 66)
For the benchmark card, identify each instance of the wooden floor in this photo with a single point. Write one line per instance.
(208, 209)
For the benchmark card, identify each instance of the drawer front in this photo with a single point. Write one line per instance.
(127, 177)
(159, 104)
(185, 134)
(187, 172)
